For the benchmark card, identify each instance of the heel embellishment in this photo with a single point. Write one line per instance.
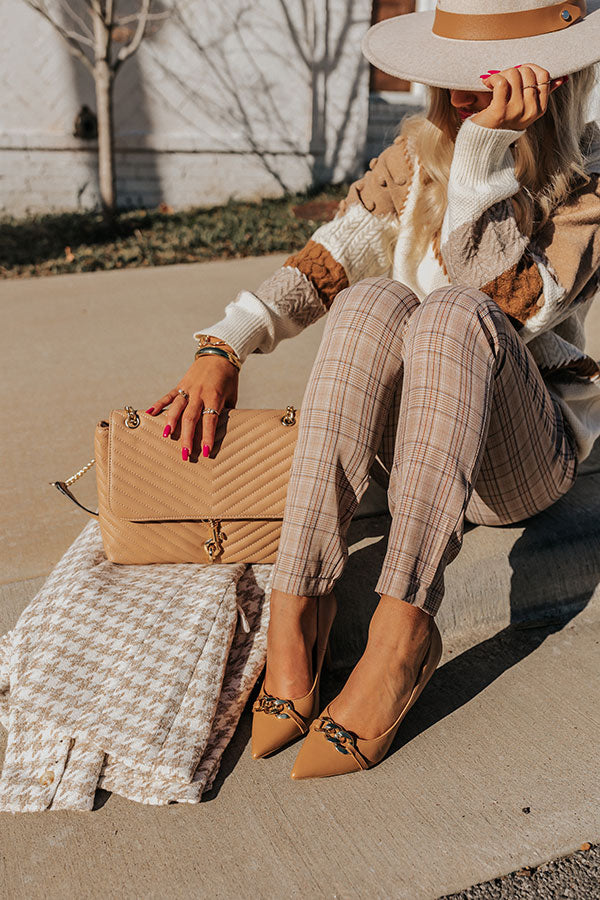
(343, 741)
(280, 707)
(273, 706)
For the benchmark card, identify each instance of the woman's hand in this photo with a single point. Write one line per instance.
(212, 383)
(516, 101)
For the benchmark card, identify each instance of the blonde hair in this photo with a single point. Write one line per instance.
(549, 158)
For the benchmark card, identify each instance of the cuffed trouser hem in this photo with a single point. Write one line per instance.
(426, 598)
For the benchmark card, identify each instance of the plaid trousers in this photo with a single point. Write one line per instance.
(445, 397)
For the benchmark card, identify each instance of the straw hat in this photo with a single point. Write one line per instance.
(454, 44)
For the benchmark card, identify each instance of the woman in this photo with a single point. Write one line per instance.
(456, 274)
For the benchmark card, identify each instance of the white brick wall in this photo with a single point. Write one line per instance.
(273, 106)
(266, 108)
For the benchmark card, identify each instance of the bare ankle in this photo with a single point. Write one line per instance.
(397, 621)
(295, 602)
(295, 609)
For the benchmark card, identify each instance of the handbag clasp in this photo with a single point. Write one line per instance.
(214, 545)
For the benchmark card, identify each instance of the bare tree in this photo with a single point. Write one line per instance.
(101, 35)
(232, 87)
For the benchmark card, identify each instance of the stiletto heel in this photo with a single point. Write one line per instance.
(278, 720)
(329, 749)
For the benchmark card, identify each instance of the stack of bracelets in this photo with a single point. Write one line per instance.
(207, 344)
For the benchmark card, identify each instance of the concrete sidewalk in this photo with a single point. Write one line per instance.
(509, 722)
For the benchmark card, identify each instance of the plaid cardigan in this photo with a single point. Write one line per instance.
(545, 284)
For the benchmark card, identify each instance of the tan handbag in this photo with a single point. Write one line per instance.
(155, 508)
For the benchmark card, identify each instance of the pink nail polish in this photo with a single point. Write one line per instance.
(167, 431)
(184, 453)
(485, 76)
(493, 71)
(205, 450)
(150, 410)
(519, 66)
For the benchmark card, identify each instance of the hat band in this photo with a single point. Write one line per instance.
(505, 26)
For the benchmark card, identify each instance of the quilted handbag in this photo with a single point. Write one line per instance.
(155, 508)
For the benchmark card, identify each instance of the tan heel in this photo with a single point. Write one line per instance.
(278, 720)
(331, 750)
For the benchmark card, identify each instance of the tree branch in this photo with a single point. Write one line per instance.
(151, 17)
(69, 37)
(78, 38)
(79, 20)
(130, 48)
(97, 8)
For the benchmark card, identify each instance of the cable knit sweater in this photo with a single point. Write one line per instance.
(545, 284)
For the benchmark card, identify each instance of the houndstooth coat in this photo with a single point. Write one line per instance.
(129, 678)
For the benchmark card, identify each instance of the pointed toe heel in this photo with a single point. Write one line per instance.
(329, 749)
(276, 721)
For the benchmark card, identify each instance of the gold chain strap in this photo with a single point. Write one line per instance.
(78, 474)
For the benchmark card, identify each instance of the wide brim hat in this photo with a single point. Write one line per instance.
(452, 45)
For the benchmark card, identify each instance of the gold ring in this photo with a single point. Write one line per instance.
(536, 85)
(208, 410)
(184, 393)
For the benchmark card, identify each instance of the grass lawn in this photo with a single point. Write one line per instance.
(80, 242)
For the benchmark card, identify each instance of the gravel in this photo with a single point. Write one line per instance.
(573, 877)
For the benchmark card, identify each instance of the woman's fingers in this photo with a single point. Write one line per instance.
(505, 85)
(494, 114)
(520, 96)
(210, 420)
(189, 420)
(210, 383)
(543, 90)
(531, 95)
(177, 406)
(164, 401)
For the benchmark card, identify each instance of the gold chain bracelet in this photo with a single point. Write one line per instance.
(204, 339)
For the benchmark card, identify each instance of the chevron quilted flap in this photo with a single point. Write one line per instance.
(245, 477)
